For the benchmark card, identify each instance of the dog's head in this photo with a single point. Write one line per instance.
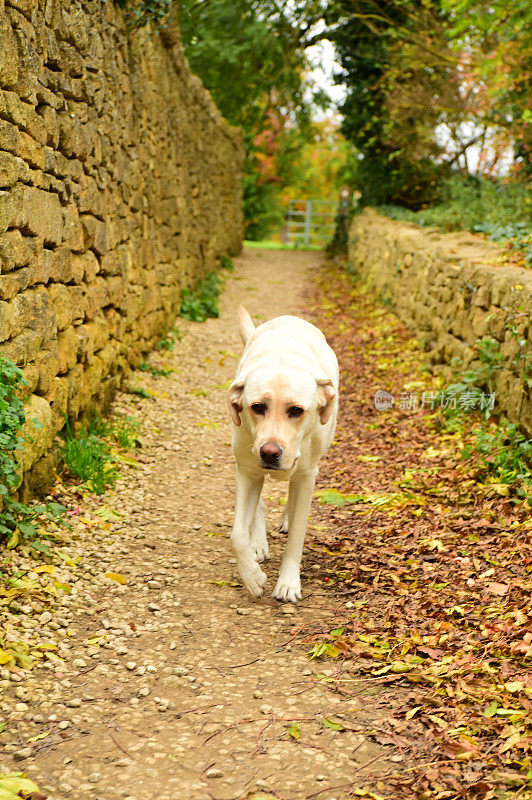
(280, 407)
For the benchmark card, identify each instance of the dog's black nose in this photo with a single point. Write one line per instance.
(270, 453)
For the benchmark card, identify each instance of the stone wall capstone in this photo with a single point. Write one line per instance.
(451, 290)
(120, 184)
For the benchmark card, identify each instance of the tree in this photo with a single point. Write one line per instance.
(494, 43)
(250, 54)
(401, 80)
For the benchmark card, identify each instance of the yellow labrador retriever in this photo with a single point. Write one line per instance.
(284, 403)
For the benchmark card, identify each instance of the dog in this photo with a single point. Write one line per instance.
(284, 405)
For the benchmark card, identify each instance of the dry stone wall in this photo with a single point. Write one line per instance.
(452, 290)
(120, 184)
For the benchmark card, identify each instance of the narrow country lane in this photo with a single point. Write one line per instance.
(176, 685)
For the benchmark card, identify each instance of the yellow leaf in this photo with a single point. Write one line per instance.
(502, 489)
(294, 731)
(223, 583)
(115, 576)
(5, 657)
(437, 721)
(412, 712)
(13, 540)
(401, 666)
(512, 740)
(514, 686)
(39, 736)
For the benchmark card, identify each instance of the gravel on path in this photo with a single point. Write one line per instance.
(175, 684)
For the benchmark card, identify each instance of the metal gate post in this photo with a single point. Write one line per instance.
(308, 218)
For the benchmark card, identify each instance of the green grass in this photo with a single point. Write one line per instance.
(87, 457)
(139, 391)
(87, 454)
(157, 372)
(267, 244)
(198, 304)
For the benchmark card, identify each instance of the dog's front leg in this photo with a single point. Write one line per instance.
(288, 585)
(248, 490)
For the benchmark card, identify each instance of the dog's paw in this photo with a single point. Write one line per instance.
(254, 579)
(283, 527)
(260, 548)
(286, 590)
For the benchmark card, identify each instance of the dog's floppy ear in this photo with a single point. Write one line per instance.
(245, 323)
(234, 397)
(326, 395)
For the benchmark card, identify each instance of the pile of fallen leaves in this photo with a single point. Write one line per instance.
(433, 565)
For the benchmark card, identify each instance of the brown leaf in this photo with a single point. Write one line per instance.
(497, 588)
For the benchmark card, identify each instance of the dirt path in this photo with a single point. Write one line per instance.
(175, 686)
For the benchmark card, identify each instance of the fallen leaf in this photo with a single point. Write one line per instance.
(294, 730)
(499, 589)
(115, 576)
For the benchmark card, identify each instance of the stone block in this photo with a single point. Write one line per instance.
(70, 61)
(8, 136)
(74, 378)
(59, 403)
(31, 151)
(67, 349)
(33, 309)
(7, 320)
(9, 209)
(48, 363)
(31, 376)
(42, 265)
(8, 54)
(43, 215)
(65, 268)
(61, 303)
(72, 229)
(22, 348)
(37, 438)
(95, 234)
(24, 116)
(15, 282)
(89, 264)
(15, 251)
(12, 169)
(73, 139)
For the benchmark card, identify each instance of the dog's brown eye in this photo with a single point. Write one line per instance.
(295, 411)
(259, 409)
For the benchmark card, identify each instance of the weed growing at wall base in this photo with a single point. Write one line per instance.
(18, 521)
(197, 305)
(226, 262)
(157, 372)
(88, 455)
(497, 450)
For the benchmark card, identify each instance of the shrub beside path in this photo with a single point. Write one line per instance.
(174, 684)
